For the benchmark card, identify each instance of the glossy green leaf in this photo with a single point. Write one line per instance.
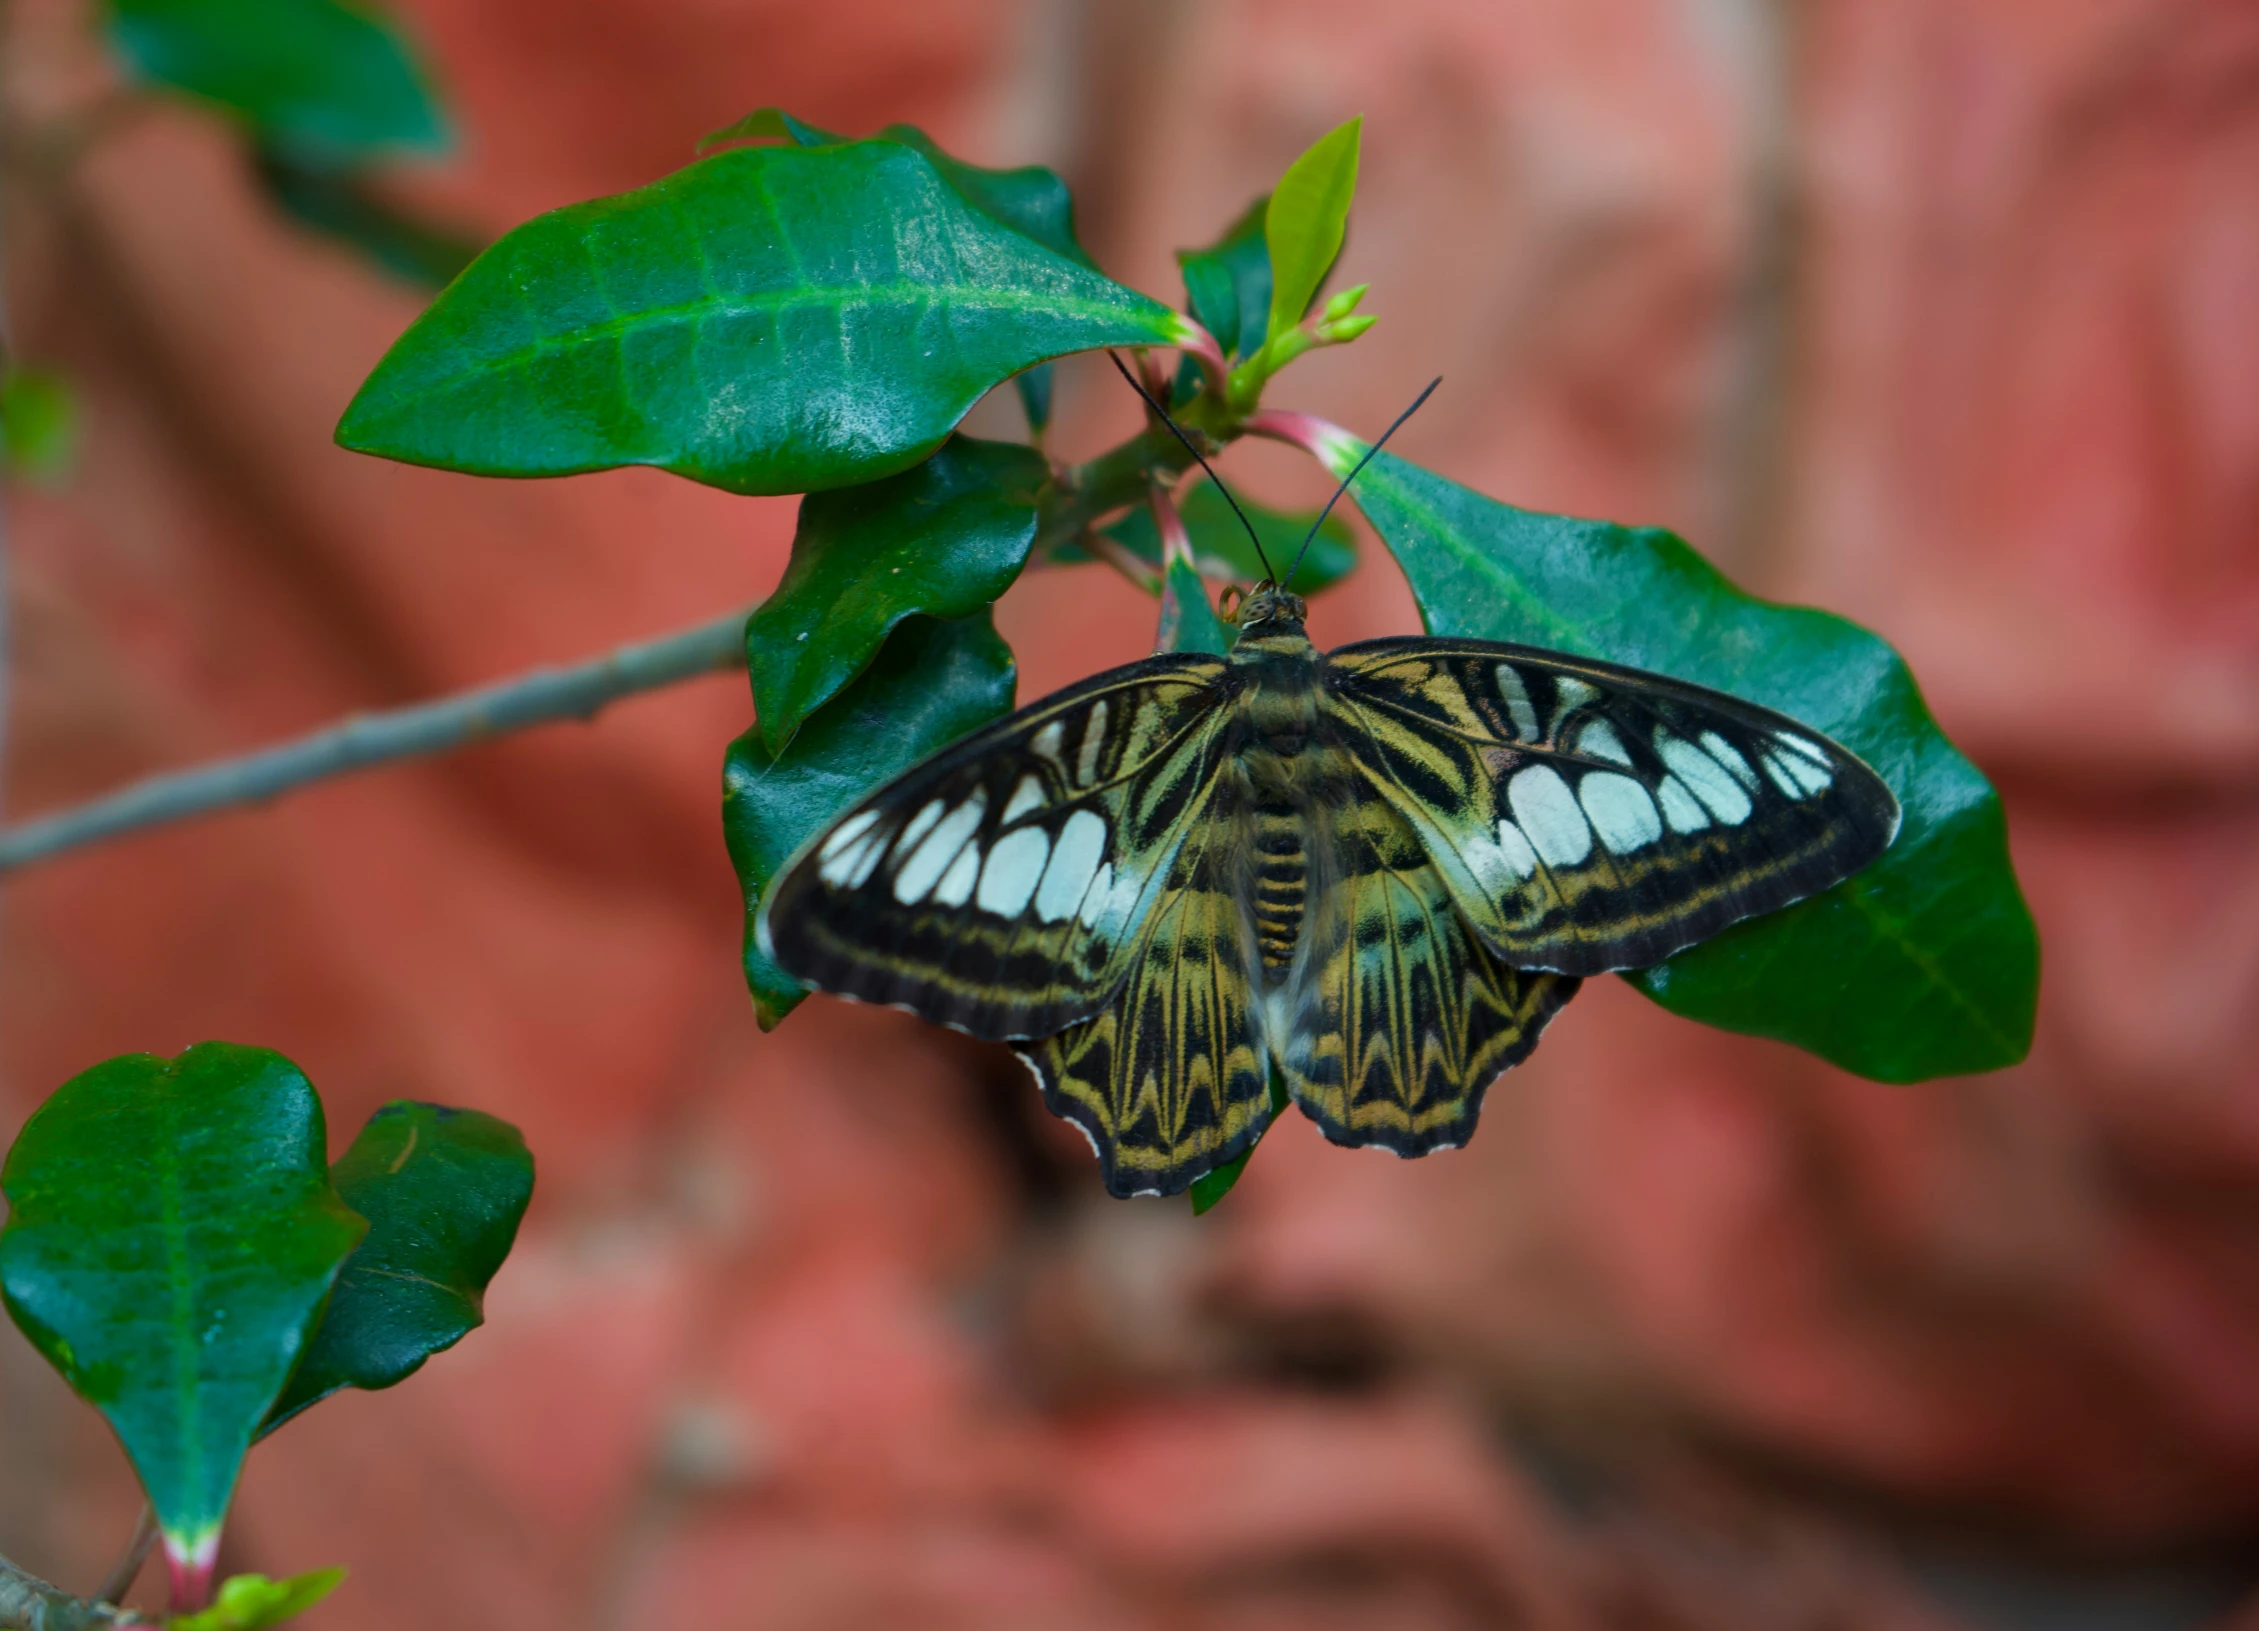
(1228, 284)
(1188, 619)
(1222, 549)
(1926, 963)
(768, 320)
(1031, 200)
(315, 78)
(443, 1191)
(172, 1238)
(252, 1602)
(341, 204)
(1305, 220)
(945, 539)
(931, 683)
(38, 424)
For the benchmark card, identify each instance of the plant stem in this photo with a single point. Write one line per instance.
(128, 1568)
(538, 697)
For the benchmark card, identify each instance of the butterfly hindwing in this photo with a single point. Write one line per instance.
(998, 886)
(1587, 817)
(1406, 1018)
(1169, 1081)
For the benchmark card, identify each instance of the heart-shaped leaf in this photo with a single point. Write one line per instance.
(443, 1191)
(1306, 218)
(945, 538)
(931, 683)
(768, 320)
(1926, 963)
(171, 1240)
(313, 78)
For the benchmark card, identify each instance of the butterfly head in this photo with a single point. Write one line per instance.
(1268, 604)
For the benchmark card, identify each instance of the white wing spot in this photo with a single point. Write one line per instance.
(1813, 774)
(1518, 707)
(1093, 738)
(848, 831)
(1783, 776)
(1549, 815)
(1074, 864)
(1094, 899)
(1810, 749)
(1047, 742)
(956, 886)
(1515, 847)
(1680, 808)
(1720, 794)
(917, 827)
(1015, 867)
(922, 868)
(1736, 766)
(1025, 797)
(1569, 694)
(1622, 813)
(1599, 740)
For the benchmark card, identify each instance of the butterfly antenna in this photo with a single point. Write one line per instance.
(1177, 431)
(1354, 474)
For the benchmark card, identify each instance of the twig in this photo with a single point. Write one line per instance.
(535, 698)
(28, 1603)
(137, 1551)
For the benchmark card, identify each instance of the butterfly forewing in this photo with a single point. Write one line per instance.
(1586, 817)
(999, 886)
(1407, 1018)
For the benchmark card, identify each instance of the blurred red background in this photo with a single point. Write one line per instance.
(1943, 314)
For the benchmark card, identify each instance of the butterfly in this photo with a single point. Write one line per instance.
(1374, 873)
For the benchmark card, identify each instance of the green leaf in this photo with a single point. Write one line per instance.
(1926, 963)
(38, 424)
(339, 204)
(315, 78)
(1188, 621)
(1308, 213)
(945, 539)
(1220, 545)
(252, 1602)
(1031, 200)
(768, 320)
(930, 684)
(172, 1239)
(1228, 284)
(443, 1191)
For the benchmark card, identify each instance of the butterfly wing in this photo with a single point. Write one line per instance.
(1399, 1018)
(1169, 1081)
(998, 886)
(1587, 817)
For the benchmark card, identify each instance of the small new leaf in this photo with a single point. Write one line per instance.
(931, 683)
(252, 1602)
(38, 424)
(1308, 213)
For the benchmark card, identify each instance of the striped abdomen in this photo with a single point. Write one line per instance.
(1281, 884)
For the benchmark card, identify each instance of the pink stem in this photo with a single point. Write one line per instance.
(1322, 439)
